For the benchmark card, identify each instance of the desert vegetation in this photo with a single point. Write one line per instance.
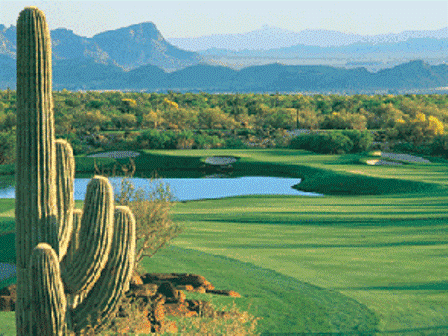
(99, 121)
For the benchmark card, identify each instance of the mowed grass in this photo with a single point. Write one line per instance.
(370, 255)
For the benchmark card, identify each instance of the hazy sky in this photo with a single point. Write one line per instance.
(196, 18)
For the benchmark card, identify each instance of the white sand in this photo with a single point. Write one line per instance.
(404, 158)
(116, 154)
(376, 162)
(220, 160)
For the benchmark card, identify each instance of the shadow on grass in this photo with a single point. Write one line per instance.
(355, 222)
(432, 286)
(437, 330)
(299, 246)
(7, 247)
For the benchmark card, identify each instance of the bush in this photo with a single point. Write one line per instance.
(155, 139)
(362, 140)
(326, 143)
(234, 143)
(334, 142)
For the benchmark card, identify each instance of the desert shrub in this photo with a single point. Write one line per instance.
(234, 322)
(362, 140)
(234, 143)
(7, 147)
(154, 227)
(333, 142)
(439, 146)
(155, 139)
(205, 141)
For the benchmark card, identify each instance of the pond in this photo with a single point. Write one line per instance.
(187, 189)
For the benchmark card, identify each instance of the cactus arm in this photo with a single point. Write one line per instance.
(48, 301)
(95, 237)
(103, 300)
(65, 176)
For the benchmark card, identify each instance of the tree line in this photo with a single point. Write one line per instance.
(94, 121)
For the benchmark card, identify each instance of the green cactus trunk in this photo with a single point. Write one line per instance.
(81, 261)
(35, 205)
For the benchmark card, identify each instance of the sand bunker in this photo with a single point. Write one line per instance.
(376, 162)
(394, 159)
(220, 160)
(116, 154)
(404, 158)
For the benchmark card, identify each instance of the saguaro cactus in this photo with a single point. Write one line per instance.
(81, 261)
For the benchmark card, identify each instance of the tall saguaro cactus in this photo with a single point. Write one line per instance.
(72, 266)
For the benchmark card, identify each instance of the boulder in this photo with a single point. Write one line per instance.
(179, 309)
(171, 294)
(143, 290)
(136, 280)
(185, 287)
(177, 279)
(10, 290)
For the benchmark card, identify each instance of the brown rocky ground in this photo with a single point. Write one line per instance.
(153, 296)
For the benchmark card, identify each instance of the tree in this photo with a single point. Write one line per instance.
(154, 227)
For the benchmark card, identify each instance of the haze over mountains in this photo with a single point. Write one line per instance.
(269, 37)
(139, 58)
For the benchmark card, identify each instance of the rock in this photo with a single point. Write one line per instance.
(193, 305)
(200, 290)
(144, 290)
(10, 290)
(8, 297)
(223, 292)
(185, 287)
(7, 303)
(171, 327)
(158, 309)
(141, 326)
(168, 290)
(177, 279)
(136, 280)
(195, 281)
(179, 309)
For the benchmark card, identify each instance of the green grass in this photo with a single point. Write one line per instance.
(369, 255)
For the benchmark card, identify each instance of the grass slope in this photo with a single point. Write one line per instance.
(369, 255)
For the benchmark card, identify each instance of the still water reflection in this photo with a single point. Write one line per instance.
(185, 189)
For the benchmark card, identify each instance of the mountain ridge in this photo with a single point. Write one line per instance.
(128, 47)
(79, 74)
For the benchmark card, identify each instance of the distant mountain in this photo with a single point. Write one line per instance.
(86, 74)
(412, 48)
(143, 44)
(129, 47)
(415, 76)
(274, 38)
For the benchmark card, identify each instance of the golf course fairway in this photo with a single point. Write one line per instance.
(369, 257)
